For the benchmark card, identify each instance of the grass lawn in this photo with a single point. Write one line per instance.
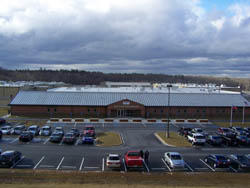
(108, 139)
(4, 111)
(227, 124)
(175, 139)
(62, 179)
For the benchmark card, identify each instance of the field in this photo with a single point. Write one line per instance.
(108, 139)
(175, 139)
(227, 124)
(40, 179)
(4, 111)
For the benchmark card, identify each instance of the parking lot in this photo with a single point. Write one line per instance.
(40, 154)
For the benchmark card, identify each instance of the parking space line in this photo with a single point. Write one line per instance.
(166, 165)
(207, 165)
(71, 167)
(14, 140)
(61, 142)
(60, 164)
(233, 169)
(122, 138)
(103, 162)
(45, 142)
(47, 166)
(39, 162)
(145, 165)
(125, 168)
(189, 167)
(13, 166)
(144, 125)
(77, 142)
(80, 169)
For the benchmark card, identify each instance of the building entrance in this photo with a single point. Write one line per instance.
(121, 113)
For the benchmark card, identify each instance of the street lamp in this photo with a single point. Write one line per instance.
(168, 86)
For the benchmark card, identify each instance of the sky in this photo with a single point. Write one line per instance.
(188, 37)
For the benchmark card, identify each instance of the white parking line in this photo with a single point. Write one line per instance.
(103, 125)
(81, 164)
(77, 142)
(144, 125)
(16, 139)
(125, 168)
(166, 165)
(39, 162)
(75, 125)
(17, 162)
(69, 167)
(207, 165)
(61, 142)
(45, 142)
(60, 164)
(146, 165)
(189, 167)
(122, 138)
(233, 169)
(47, 166)
(103, 162)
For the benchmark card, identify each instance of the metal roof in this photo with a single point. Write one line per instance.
(147, 99)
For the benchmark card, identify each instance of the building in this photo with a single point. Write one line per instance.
(143, 105)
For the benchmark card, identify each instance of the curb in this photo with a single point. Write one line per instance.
(162, 141)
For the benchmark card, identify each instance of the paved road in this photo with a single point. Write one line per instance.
(41, 154)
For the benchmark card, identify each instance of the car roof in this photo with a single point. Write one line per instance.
(20, 126)
(8, 152)
(46, 126)
(173, 153)
(113, 155)
(33, 126)
(197, 134)
(7, 126)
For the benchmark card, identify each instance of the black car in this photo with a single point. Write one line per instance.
(56, 137)
(75, 131)
(183, 131)
(25, 136)
(217, 161)
(2, 121)
(239, 162)
(1, 134)
(229, 141)
(243, 140)
(214, 140)
(69, 138)
(9, 158)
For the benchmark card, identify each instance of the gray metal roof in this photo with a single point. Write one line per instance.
(147, 99)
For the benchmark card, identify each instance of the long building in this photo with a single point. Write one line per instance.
(144, 105)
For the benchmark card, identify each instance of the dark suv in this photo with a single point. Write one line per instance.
(25, 136)
(9, 158)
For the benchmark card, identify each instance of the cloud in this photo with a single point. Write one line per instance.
(146, 36)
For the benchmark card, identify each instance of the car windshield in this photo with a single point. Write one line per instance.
(56, 134)
(46, 129)
(32, 128)
(176, 157)
(18, 128)
(225, 130)
(89, 128)
(114, 158)
(199, 137)
(5, 128)
(221, 158)
(69, 135)
(216, 137)
(134, 154)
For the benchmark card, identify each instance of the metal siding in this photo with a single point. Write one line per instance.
(147, 99)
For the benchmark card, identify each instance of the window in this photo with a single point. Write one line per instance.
(48, 110)
(161, 111)
(155, 111)
(185, 111)
(95, 110)
(179, 111)
(88, 110)
(55, 110)
(197, 111)
(204, 111)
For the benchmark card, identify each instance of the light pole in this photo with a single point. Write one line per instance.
(168, 86)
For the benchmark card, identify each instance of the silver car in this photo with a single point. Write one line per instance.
(45, 131)
(113, 161)
(174, 160)
(6, 130)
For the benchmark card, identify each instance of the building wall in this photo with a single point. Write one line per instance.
(146, 112)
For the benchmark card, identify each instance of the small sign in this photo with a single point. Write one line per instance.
(126, 103)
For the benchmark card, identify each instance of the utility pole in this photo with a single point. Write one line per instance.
(168, 86)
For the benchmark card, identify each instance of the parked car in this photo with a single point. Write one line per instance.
(45, 131)
(229, 141)
(89, 131)
(247, 129)
(217, 161)
(75, 131)
(69, 138)
(196, 138)
(34, 129)
(225, 132)
(133, 159)
(239, 162)
(56, 137)
(214, 140)
(2, 121)
(243, 140)
(184, 131)
(1, 134)
(174, 160)
(59, 130)
(25, 136)
(113, 161)
(9, 158)
(87, 140)
(239, 130)
(18, 129)
(6, 130)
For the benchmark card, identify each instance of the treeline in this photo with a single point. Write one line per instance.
(77, 77)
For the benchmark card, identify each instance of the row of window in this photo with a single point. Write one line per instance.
(51, 110)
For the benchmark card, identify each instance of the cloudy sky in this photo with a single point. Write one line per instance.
(198, 37)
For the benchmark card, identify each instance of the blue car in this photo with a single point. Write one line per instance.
(87, 140)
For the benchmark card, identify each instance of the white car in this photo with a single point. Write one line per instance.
(196, 138)
(113, 161)
(45, 131)
(174, 160)
(6, 130)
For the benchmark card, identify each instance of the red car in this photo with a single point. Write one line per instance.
(89, 131)
(133, 159)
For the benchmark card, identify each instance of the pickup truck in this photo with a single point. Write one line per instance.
(196, 138)
(133, 159)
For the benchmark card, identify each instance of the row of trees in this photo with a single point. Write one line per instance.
(78, 77)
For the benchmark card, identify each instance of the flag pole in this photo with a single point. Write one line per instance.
(231, 119)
